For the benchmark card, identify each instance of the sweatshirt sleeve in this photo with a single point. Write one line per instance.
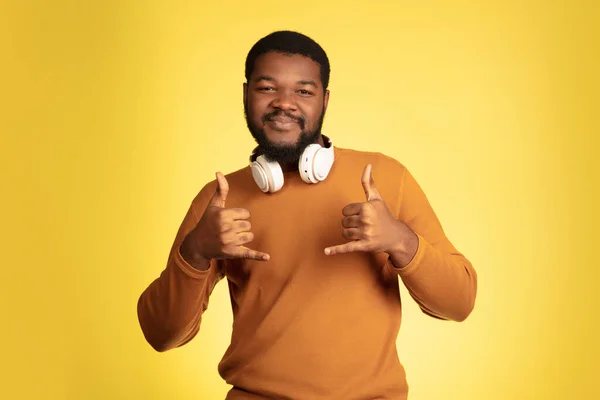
(171, 307)
(440, 279)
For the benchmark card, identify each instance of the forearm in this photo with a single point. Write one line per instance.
(443, 284)
(170, 309)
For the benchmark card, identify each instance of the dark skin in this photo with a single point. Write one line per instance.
(372, 227)
(292, 84)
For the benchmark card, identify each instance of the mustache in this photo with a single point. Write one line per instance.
(279, 113)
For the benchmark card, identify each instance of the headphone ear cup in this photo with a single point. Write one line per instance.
(267, 175)
(305, 164)
(315, 163)
(322, 163)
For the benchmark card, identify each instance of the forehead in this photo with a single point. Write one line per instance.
(286, 66)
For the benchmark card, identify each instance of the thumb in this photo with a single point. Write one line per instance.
(218, 199)
(369, 184)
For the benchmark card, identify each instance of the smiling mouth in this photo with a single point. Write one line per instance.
(282, 123)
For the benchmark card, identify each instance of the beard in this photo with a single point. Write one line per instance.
(284, 153)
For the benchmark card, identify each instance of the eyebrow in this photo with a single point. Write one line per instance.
(300, 82)
(311, 83)
(264, 78)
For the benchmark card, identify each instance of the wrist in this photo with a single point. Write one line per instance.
(192, 256)
(404, 249)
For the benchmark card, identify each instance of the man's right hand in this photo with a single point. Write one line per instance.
(221, 233)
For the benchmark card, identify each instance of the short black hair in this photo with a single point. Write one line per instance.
(289, 42)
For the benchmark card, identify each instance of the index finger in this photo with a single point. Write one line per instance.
(236, 213)
(352, 209)
(350, 247)
(244, 252)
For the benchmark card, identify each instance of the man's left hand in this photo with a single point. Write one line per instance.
(371, 226)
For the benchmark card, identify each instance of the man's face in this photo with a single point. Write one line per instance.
(285, 103)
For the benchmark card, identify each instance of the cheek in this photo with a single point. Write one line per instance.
(257, 108)
(314, 116)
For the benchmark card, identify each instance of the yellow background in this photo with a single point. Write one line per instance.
(114, 114)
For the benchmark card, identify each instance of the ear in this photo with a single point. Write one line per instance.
(325, 100)
(245, 88)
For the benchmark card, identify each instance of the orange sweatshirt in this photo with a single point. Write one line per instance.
(307, 325)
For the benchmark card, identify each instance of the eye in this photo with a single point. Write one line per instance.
(265, 89)
(305, 92)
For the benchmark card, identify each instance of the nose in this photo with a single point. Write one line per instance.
(284, 101)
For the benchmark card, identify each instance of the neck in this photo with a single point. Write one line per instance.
(293, 166)
(289, 167)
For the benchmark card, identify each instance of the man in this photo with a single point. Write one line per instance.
(311, 254)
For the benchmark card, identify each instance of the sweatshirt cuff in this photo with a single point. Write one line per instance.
(417, 260)
(188, 269)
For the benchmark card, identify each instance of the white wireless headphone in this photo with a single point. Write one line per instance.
(314, 166)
